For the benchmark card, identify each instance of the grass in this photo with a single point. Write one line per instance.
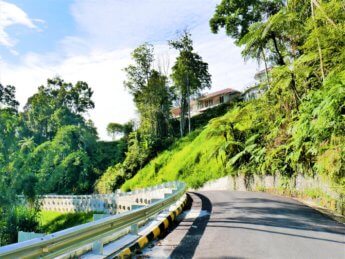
(51, 221)
(191, 159)
(48, 216)
(256, 141)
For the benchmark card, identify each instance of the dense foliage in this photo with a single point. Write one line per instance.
(49, 147)
(153, 97)
(51, 221)
(297, 126)
(253, 138)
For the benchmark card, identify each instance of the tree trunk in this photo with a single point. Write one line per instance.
(188, 93)
(318, 42)
(280, 57)
(294, 90)
(182, 114)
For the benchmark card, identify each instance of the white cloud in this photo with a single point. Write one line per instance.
(101, 70)
(109, 30)
(110, 23)
(11, 14)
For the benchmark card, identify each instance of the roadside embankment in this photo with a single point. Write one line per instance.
(313, 191)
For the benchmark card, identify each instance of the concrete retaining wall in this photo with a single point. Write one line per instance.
(310, 189)
(257, 182)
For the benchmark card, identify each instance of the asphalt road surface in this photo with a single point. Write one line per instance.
(225, 224)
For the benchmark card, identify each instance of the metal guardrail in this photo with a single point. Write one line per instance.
(67, 240)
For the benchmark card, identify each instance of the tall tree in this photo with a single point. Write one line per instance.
(77, 98)
(57, 104)
(189, 74)
(237, 16)
(7, 97)
(150, 92)
(9, 129)
(10, 124)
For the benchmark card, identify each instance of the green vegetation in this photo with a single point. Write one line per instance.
(45, 217)
(297, 126)
(189, 75)
(24, 219)
(252, 138)
(17, 218)
(114, 176)
(153, 98)
(49, 147)
(52, 221)
(190, 159)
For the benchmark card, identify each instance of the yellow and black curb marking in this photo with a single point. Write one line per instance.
(152, 235)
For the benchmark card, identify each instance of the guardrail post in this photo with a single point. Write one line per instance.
(97, 247)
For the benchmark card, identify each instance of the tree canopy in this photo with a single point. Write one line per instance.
(49, 147)
(189, 75)
(150, 91)
(237, 16)
(7, 96)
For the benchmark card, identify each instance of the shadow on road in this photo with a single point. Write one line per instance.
(190, 241)
(269, 231)
(280, 214)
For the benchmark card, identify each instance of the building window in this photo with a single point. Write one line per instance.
(221, 99)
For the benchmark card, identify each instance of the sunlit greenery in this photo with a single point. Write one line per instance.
(49, 147)
(297, 126)
(51, 221)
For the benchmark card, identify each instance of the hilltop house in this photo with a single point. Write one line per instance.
(208, 101)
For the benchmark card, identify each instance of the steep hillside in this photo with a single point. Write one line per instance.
(190, 159)
(260, 137)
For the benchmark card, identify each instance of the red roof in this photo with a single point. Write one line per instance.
(221, 92)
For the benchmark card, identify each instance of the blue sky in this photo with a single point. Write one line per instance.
(53, 21)
(91, 40)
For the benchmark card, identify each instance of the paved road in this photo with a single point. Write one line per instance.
(251, 225)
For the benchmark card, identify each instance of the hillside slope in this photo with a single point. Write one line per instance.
(190, 159)
(260, 137)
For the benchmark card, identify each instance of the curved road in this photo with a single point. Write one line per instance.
(225, 224)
